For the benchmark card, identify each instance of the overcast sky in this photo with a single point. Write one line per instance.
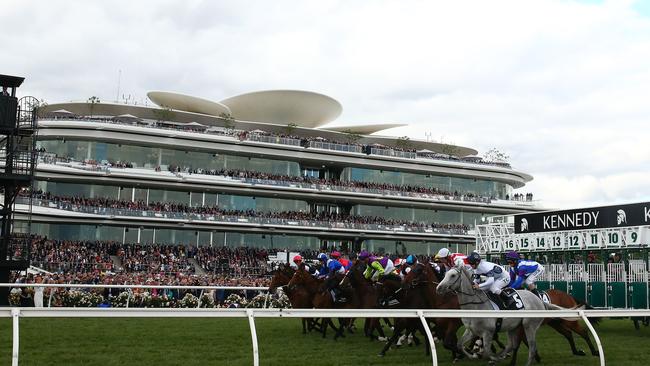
(563, 87)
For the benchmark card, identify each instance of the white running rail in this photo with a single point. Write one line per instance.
(251, 314)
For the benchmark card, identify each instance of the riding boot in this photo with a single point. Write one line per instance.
(536, 292)
(497, 299)
(503, 298)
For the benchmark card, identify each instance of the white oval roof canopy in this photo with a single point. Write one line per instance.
(187, 103)
(365, 129)
(304, 108)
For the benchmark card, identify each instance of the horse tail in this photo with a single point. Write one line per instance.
(594, 320)
(548, 306)
(582, 305)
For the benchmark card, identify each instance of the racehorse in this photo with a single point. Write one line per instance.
(298, 297)
(459, 280)
(317, 296)
(366, 296)
(568, 327)
(419, 291)
(281, 276)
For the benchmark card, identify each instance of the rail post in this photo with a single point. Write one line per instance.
(15, 314)
(256, 352)
(432, 345)
(601, 353)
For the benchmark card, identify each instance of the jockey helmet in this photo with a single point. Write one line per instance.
(297, 259)
(443, 253)
(322, 257)
(410, 260)
(474, 258)
(335, 254)
(512, 256)
(398, 262)
(364, 254)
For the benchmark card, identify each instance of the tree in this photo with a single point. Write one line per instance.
(164, 114)
(290, 128)
(496, 156)
(39, 109)
(228, 120)
(403, 142)
(450, 149)
(352, 136)
(92, 101)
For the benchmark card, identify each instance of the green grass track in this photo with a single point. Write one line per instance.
(175, 341)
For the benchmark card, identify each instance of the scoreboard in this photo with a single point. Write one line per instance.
(571, 240)
(590, 228)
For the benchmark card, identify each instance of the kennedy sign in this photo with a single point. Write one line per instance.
(636, 214)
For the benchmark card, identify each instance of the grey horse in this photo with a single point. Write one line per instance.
(459, 281)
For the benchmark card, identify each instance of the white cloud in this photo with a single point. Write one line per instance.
(561, 86)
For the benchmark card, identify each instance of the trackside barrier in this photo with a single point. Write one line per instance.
(130, 287)
(251, 314)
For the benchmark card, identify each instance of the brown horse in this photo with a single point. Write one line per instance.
(564, 326)
(297, 297)
(364, 295)
(316, 295)
(419, 292)
(281, 276)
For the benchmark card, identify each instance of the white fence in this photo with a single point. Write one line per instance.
(251, 314)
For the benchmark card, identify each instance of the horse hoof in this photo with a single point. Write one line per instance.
(382, 339)
(381, 354)
(580, 353)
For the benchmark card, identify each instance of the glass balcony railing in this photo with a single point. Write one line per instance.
(240, 219)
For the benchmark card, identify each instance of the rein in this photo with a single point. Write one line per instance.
(474, 294)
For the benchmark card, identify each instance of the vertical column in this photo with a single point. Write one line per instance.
(15, 314)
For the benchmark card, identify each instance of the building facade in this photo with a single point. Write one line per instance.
(260, 169)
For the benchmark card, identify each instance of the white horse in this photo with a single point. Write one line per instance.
(459, 281)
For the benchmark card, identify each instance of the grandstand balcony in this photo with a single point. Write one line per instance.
(49, 211)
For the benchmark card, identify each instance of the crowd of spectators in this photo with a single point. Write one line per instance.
(71, 256)
(70, 202)
(304, 141)
(329, 182)
(520, 197)
(240, 261)
(321, 183)
(84, 256)
(155, 258)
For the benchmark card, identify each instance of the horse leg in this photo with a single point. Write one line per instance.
(396, 334)
(487, 350)
(450, 340)
(582, 332)
(380, 331)
(304, 325)
(466, 337)
(514, 338)
(366, 327)
(340, 332)
(522, 338)
(560, 328)
(531, 326)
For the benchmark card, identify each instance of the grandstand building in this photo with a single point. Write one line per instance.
(263, 169)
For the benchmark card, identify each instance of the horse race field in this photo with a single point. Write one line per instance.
(121, 341)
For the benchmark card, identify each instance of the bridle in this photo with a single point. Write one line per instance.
(459, 291)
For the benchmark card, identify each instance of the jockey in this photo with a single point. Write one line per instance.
(344, 261)
(328, 271)
(398, 262)
(297, 262)
(452, 259)
(496, 277)
(377, 267)
(407, 263)
(523, 271)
